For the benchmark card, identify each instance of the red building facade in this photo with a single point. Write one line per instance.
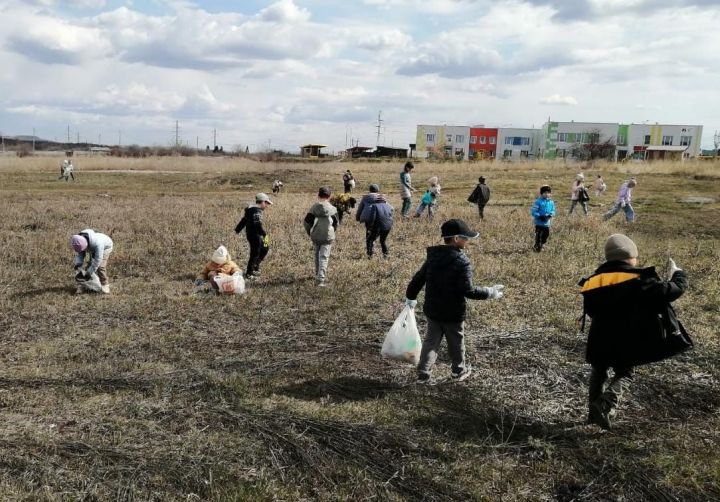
(483, 142)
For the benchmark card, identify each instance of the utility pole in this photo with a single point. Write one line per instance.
(177, 134)
(68, 131)
(33, 140)
(214, 138)
(119, 138)
(99, 138)
(378, 127)
(716, 142)
(78, 137)
(197, 142)
(2, 140)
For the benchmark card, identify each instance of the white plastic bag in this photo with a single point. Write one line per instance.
(403, 342)
(92, 285)
(230, 284)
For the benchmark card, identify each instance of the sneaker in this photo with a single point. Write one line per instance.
(322, 284)
(600, 414)
(251, 277)
(105, 289)
(423, 378)
(463, 375)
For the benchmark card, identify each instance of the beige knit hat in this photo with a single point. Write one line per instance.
(221, 256)
(620, 247)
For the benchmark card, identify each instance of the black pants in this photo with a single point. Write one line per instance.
(372, 233)
(481, 210)
(258, 252)
(541, 236)
(347, 187)
(613, 391)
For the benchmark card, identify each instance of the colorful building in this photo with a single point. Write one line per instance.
(515, 144)
(443, 142)
(664, 141)
(483, 142)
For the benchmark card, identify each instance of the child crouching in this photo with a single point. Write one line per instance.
(219, 265)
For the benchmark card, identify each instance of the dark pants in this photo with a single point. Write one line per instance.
(436, 331)
(406, 205)
(542, 234)
(347, 187)
(371, 234)
(481, 210)
(258, 252)
(612, 393)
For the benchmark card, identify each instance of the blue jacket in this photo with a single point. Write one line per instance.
(541, 208)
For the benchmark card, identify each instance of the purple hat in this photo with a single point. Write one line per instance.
(78, 243)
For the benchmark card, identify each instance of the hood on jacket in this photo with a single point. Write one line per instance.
(324, 208)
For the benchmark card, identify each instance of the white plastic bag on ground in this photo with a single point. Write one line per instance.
(403, 340)
(92, 285)
(230, 284)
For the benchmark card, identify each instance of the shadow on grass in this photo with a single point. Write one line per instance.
(34, 293)
(97, 384)
(348, 388)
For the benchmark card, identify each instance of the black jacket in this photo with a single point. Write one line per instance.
(448, 276)
(252, 223)
(632, 320)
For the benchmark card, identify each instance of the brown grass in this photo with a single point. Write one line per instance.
(156, 394)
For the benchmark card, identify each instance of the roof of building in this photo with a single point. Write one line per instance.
(313, 145)
(666, 148)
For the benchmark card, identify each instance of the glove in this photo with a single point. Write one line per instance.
(266, 241)
(544, 217)
(623, 204)
(495, 292)
(410, 303)
(672, 268)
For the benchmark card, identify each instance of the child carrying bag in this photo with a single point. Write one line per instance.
(403, 342)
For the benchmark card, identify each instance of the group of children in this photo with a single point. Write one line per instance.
(623, 301)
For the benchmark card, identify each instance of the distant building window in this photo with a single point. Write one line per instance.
(685, 140)
(563, 136)
(492, 140)
(473, 140)
(459, 138)
(647, 140)
(508, 140)
(524, 153)
(507, 153)
(667, 140)
(517, 140)
(430, 138)
(483, 140)
(448, 138)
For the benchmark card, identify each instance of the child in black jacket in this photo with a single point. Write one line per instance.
(448, 275)
(632, 322)
(256, 235)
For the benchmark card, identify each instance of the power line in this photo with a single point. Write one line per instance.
(378, 127)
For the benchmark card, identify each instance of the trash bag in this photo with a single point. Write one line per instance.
(91, 285)
(230, 284)
(403, 342)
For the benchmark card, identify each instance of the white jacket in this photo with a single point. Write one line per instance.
(99, 247)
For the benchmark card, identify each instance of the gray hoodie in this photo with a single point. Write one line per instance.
(321, 222)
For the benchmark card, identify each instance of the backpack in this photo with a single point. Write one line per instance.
(583, 195)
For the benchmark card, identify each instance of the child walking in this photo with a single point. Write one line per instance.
(320, 223)
(447, 277)
(377, 215)
(542, 211)
(406, 188)
(623, 201)
(256, 235)
(632, 322)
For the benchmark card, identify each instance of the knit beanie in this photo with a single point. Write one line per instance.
(580, 177)
(620, 247)
(221, 256)
(78, 243)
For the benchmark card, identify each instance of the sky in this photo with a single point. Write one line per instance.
(276, 75)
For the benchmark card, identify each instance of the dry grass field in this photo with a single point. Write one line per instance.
(153, 393)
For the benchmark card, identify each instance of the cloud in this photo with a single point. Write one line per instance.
(284, 11)
(557, 99)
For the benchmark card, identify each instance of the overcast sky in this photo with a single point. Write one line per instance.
(291, 72)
